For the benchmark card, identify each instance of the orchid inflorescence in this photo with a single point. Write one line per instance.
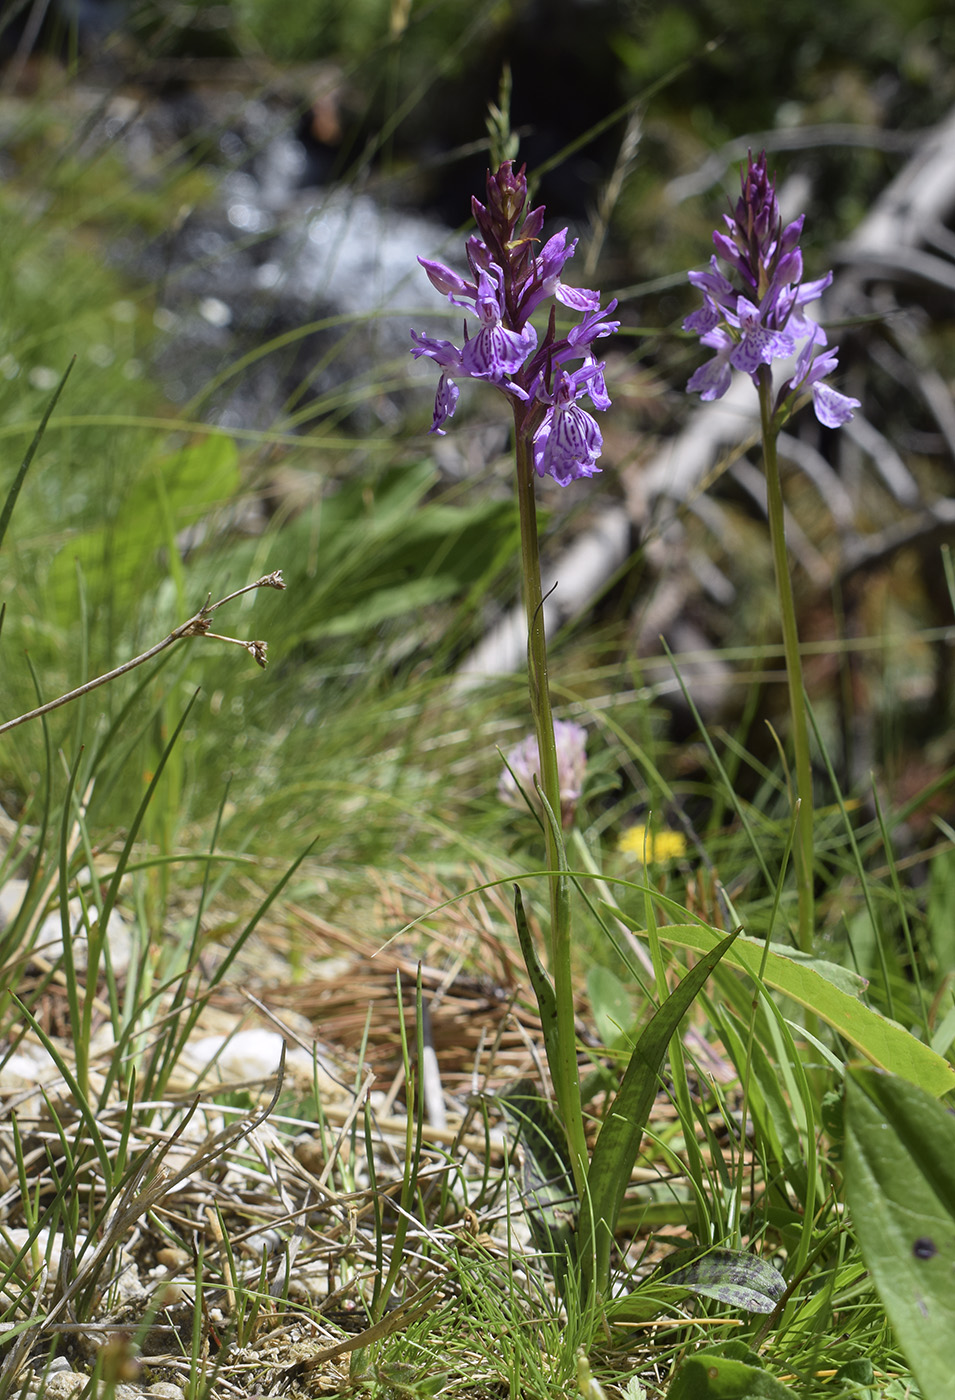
(510, 280)
(765, 319)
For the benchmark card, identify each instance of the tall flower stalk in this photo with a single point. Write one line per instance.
(751, 321)
(544, 379)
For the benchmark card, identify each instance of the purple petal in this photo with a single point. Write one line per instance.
(760, 346)
(567, 445)
(809, 291)
(545, 281)
(577, 298)
(791, 234)
(445, 402)
(712, 282)
(554, 254)
(711, 380)
(789, 267)
(446, 280)
(479, 255)
(832, 408)
(705, 319)
(444, 352)
(593, 327)
(494, 351)
(811, 368)
(597, 388)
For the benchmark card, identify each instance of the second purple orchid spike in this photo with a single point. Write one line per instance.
(760, 317)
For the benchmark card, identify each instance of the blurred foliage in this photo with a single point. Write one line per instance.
(420, 75)
(717, 68)
(394, 568)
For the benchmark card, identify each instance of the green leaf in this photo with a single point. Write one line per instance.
(622, 1132)
(742, 1280)
(541, 983)
(769, 1106)
(858, 1372)
(900, 1187)
(886, 1044)
(388, 550)
(731, 1276)
(711, 1376)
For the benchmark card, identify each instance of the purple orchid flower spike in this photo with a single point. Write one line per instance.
(762, 318)
(509, 281)
(749, 320)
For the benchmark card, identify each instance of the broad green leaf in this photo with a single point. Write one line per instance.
(731, 1276)
(622, 1132)
(383, 552)
(858, 1372)
(386, 602)
(742, 1280)
(886, 1044)
(900, 1187)
(711, 1376)
(647, 1301)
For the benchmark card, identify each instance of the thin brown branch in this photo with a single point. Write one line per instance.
(196, 626)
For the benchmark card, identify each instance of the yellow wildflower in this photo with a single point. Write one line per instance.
(655, 847)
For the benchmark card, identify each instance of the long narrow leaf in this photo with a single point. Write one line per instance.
(622, 1132)
(543, 990)
(808, 982)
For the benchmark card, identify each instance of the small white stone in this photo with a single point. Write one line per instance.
(11, 897)
(215, 311)
(49, 939)
(248, 1055)
(46, 1252)
(63, 1384)
(58, 1363)
(28, 1066)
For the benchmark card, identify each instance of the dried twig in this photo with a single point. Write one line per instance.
(195, 626)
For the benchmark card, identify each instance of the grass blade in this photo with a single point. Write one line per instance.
(24, 467)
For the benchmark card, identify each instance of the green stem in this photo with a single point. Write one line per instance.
(797, 703)
(562, 1046)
